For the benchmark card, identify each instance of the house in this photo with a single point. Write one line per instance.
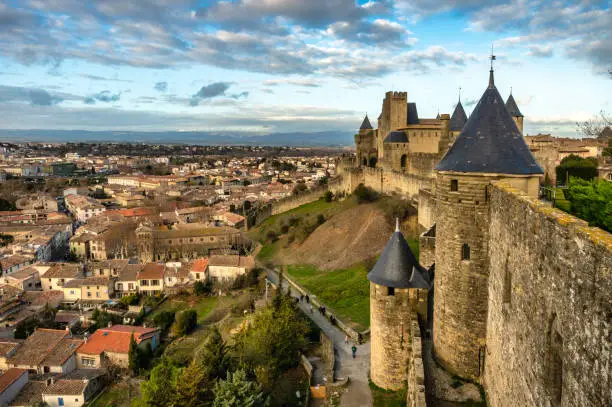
(83, 207)
(26, 279)
(198, 269)
(10, 301)
(109, 268)
(230, 219)
(127, 282)
(11, 383)
(112, 345)
(59, 274)
(176, 276)
(7, 349)
(75, 388)
(47, 351)
(151, 279)
(228, 267)
(90, 289)
(11, 264)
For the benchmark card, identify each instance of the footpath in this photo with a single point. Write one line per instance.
(358, 392)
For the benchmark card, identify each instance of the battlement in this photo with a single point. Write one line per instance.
(396, 95)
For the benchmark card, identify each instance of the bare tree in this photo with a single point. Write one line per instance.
(595, 126)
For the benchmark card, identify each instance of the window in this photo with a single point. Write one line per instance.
(454, 185)
(403, 161)
(88, 362)
(144, 282)
(130, 286)
(97, 294)
(154, 282)
(465, 252)
(71, 292)
(197, 276)
(88, 294)
(390, 290)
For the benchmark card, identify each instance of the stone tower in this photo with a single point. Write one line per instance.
(457, 121)
(489, 147)
(393, 116)
(144, 234)
(516, 114)
(397, 284)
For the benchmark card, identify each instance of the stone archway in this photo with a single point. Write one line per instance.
(372, 162)
(403, 162)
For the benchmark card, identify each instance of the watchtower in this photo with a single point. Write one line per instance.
(398, 284)
(490, 147)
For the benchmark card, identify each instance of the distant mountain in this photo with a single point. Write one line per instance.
(299, 139)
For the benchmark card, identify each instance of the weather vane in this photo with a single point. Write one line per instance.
(492, 57)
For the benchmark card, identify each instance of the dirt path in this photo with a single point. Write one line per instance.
(358, 391)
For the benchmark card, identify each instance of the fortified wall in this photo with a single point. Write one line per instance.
(549, 302)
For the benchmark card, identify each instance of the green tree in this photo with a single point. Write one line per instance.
(591, 201)
(365, 194)
(575, 166)
(133, 362)
(163, 319)
(160, 389)
(238, 391)
(185, 322)
(328, 196)
(201, 288)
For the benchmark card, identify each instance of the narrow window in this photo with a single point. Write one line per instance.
(555, 365)
(454, 186)
(507, 286)
(390, 290)
(486, 191)
(465, 252)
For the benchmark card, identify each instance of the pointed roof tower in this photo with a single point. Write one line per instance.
(397, 267)
(512, 107)
(459, 118)
(365, 125)
(490, 141)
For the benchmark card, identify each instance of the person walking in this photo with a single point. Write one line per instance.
(354, 349)
(346, 339)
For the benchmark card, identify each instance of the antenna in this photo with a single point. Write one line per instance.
(459, 93)
(491, 80)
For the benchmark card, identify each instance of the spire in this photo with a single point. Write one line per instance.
(491, 80)
(513, 107)
(459, 94)
(458, 119)
(365, 125)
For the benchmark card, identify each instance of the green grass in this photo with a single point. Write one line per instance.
(387, 398)
(202, 305)
(117, 395)
(346, 293)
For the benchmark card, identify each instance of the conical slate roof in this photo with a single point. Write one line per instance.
(397, 267)
(490, 141)
(365, 125)
(512, 107)
(458, 119)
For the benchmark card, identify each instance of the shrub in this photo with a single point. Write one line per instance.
(201, 287)
(284, 229)
(299, 188)
(271, 236)
(575, 166)
(131, 299)
(185, 322)
(396, 208)
(163, 319)
(365, 194)
(320, 219)
(328, 196)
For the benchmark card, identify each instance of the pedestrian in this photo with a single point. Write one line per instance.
(311, 309)
(354, 349)
(308, 299)
(346, 339)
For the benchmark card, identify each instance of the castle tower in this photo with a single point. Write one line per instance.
(457, 120)
(144, 234)
(397, 282)
(489, 147)
(394, 116)
(365, 143)
(516, 114)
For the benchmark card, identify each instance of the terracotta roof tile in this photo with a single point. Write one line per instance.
(114, 339)
(199, 265)
(10, 376)
(37, 346)
(152, 271)
(67, 387)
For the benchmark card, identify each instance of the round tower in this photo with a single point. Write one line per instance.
(489, 148)
(516, 114)
(395, 284)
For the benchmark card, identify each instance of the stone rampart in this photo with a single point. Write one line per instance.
(548, 325)
(427, 206)
(415, 394)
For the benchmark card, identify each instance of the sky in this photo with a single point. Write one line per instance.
(295, 65)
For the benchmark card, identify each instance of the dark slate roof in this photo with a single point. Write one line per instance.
(397, 267)
(458, 119)
(396, 137)
(512, 107)
(365, 125)
(490, 141)
(413, 116)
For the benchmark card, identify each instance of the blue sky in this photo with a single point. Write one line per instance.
(294, 65)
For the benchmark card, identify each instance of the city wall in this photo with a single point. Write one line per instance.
(549, 302)
(415, 395)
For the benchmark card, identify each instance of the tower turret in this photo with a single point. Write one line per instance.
(490, 147)
(516, 114)
(144, 234)
(397, 282)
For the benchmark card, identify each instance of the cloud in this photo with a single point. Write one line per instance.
(214, 90)
(470, 102)
(33, 96)
(161, 86)
(102, 78)
(539, 51)
(104, 96)
(306, 83)
(379, 32)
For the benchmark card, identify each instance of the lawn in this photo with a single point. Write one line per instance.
(202, 305)
(346, 293)
(387, 398)
(117, 395)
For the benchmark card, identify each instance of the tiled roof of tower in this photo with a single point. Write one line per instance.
(458, 119)
(397, 267)
(512, 107)
(396, 137)
(490, 141)
(365, 125)
(412, 116)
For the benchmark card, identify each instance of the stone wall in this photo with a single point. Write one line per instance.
(427, 247)
(415, 394)
(549, 306)
(427, 206)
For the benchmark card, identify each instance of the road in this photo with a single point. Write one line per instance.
(358, 391)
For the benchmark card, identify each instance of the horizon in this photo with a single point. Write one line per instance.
(180, 67)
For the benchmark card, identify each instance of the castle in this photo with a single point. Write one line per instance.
(514, 294)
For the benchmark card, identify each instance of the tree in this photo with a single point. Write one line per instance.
(133, 362)
(163, 319)
(201, 287)
(186, 321)
(365, 194)
(328, 196)
(238, 391)
(575, 166)
(591, 201)
(595, 127)
(5, 239)
(160, 389)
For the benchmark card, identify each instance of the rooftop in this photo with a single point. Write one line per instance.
(232, 260)
(152, 271)
(115, 339)
(9, 377)
(37, 347)
(67, 387)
